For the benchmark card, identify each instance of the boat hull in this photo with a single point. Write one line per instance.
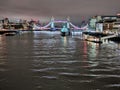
(65, 34)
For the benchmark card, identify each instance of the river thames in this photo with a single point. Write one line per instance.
(43, 60)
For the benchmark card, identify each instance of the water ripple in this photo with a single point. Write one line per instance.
(49, 77)
(47, 61)
(113, 85)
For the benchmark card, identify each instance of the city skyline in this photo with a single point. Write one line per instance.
(44, 9)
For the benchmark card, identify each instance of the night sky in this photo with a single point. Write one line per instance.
(43, 9)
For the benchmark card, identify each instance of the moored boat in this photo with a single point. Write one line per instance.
(10, 34)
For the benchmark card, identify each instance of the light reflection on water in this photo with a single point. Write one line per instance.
(47, 61)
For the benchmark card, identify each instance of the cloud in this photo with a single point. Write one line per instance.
(59, 8)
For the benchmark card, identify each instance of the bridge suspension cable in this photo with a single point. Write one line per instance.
(60, 21)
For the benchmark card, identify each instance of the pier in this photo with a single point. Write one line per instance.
(8, 31)
(109, 36)
(98, 37)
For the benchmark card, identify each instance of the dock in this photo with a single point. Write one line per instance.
(109, 36)
(8, 31)
(98, 37)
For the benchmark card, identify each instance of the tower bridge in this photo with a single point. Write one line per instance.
(51, 25)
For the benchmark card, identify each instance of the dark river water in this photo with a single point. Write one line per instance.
(46, 61)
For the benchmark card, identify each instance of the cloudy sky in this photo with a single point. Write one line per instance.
(76, 9)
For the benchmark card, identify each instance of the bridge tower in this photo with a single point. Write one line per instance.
(68, 22)
(52, 23)
(68, 25)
